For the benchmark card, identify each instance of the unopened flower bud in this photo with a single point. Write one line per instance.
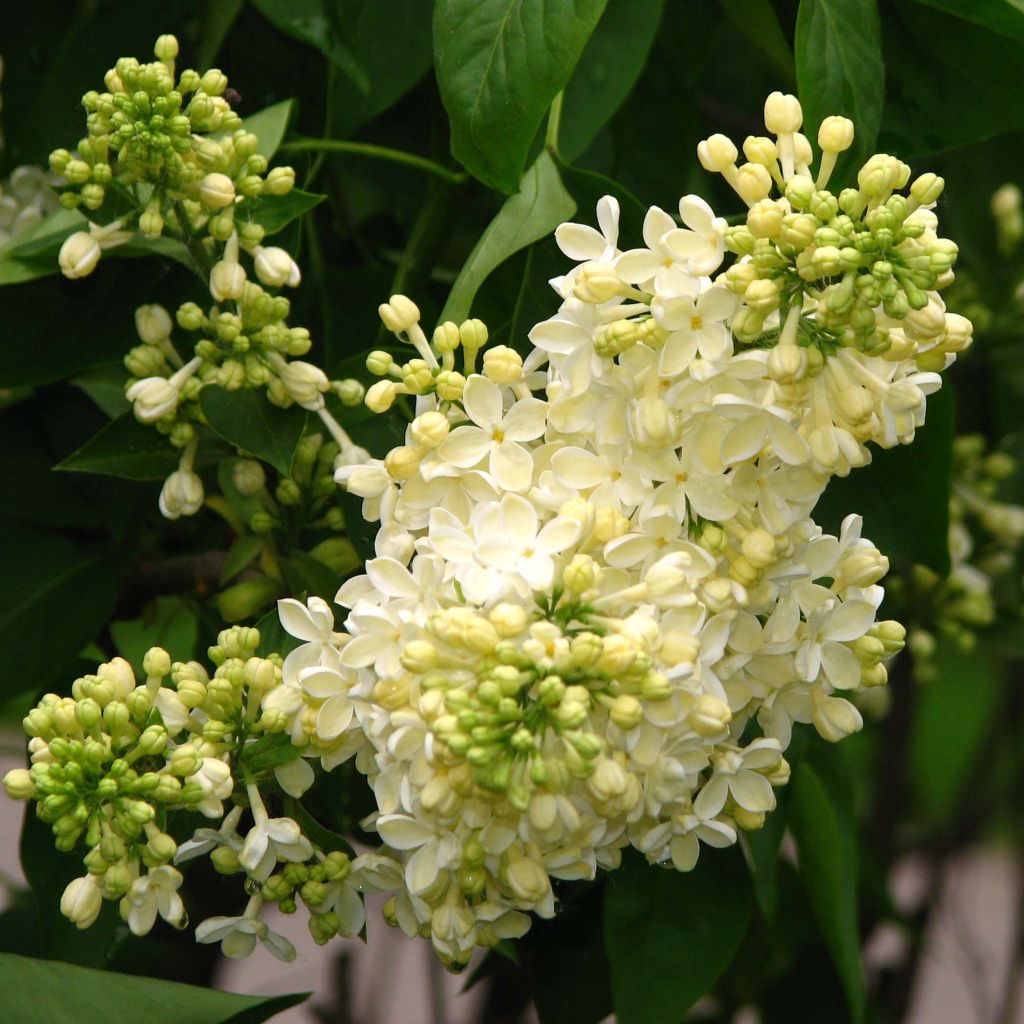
(835, 134)
(503, 365)
(399, 314)
(216, 191)
(782, 114)
(79, 255)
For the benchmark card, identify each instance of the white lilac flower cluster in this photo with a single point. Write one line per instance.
(599, 603)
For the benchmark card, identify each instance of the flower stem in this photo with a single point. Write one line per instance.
(375, 152)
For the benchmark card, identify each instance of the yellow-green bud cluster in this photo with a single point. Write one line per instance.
(313, 883)
(111, 761)
(177, 133)
(865, 257)
(524, 703)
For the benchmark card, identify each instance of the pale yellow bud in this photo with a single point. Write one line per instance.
(473, 334)
(399, 314)
(626, 712)
(709, 717)
(764, 219)
(835, 134)
(402, 462)
(429, 429)
(753, 182)
(216, 191)
(782, 113)
(759, 149)
(381, 396)
(509, 619)
(716, 153)
(503, 365)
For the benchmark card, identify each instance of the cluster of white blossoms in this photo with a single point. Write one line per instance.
(599, 603)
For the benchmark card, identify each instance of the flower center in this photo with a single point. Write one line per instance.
(498, 436)
(696, 323)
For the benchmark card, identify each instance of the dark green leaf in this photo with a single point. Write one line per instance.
(535, 211)
(242, 553)
(670, 935)
(169, 622)
(249, 420)
(125, 448)
(276, 212)
(950, 82)
(839, 68)
(822, 821)
(54, 599)
(953, 715)
(759, 23)
(45, 238)
(904, 494)
(43, 342)
(394, 42)
(318, 24)
(105, 386)
(42, 990)
(14, 270)
(270, 125)
(1004, 17)
(500, 63)
(610, 64)
(307, 576)
(268, 753)
(318, 834)
(570, 970)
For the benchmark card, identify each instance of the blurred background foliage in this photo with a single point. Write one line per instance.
(90, 569)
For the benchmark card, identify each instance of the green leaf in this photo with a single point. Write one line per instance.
(242, 553)
(105, 386)
(903, 494)
(319, 835)
(951, 83)
(570, 969)
(670, 935)
(54, 599)
(43, 343)
(45, 238)
(953, 716)
(1004, 17)
(318, 24)
(58, 993)
(535, 211)
(500, 64)
(839, 68)
(17, 271)
(168, 622)
(822, 822)
(268, 753)
(394, 41)
(275, 213)
(759, 23)
(132, 450)
(249, 420)
(608, 68)
(270, 125)
(307, 576)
